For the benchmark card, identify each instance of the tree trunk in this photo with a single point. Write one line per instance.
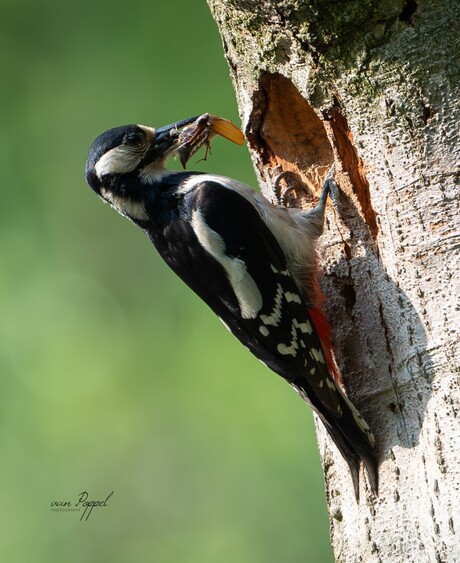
(372, 86)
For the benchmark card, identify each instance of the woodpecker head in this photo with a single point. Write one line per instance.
(124, 159)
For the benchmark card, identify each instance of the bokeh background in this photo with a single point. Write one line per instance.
(114, 376)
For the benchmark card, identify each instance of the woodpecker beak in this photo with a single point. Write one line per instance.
(166, 139)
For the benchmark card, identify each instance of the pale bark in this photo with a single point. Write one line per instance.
(373, 86)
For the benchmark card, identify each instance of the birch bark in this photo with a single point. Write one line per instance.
(374, 87)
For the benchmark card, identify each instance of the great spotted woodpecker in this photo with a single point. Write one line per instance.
(252, 262)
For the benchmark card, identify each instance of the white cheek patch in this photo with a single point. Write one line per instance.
(243, 285)
(119, 160)
(126, 206)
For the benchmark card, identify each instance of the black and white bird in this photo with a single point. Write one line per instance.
(252, 262)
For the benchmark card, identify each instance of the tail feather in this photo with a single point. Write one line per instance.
(353, 438)
(350, 432)
(357, 432)
(354, 454)
(353, 460)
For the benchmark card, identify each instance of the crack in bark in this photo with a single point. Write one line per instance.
(341, 140)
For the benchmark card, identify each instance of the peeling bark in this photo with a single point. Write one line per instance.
(374, 87)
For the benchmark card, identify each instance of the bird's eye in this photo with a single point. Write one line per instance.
(135, 139)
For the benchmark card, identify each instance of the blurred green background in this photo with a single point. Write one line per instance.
(114, 376)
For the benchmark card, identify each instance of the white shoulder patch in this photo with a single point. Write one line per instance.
(243, 285)
(288, 229)
(225, 182)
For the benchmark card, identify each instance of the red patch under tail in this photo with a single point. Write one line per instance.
(323, 330)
